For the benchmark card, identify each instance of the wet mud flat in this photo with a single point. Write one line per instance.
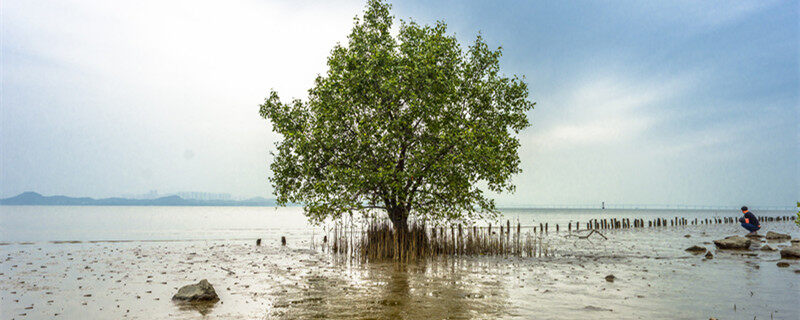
(653, 278)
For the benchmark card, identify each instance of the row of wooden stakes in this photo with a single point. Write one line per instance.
(627, 223)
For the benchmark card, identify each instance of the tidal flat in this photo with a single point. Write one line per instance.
(654, 278)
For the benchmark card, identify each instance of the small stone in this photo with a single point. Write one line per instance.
(696, 249)
(777, 236)
(709, 255)
(783, 264)
(610, 278)
(767, 248)
(792, 252)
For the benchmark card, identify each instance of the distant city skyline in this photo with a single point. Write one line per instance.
(675, 102)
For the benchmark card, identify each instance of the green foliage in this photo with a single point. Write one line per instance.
(411, 124)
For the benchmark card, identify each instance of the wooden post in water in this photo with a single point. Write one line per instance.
(500, 238)
(453, 236)
(460, 240)
(508, 234)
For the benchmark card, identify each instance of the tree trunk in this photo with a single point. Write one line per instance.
(399, 218)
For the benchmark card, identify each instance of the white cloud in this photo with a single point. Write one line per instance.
(126, 88)
(603, 110)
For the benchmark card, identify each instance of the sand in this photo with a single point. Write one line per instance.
(654, 278)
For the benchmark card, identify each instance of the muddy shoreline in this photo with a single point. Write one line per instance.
(654, 278)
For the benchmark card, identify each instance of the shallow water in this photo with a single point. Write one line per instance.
(167, 247)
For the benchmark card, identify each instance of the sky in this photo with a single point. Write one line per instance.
(637, 102)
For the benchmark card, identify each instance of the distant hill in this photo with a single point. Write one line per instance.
(35, 199)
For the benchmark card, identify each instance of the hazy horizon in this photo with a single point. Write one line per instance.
(637, 103)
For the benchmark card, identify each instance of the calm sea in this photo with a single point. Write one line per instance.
(90, 223)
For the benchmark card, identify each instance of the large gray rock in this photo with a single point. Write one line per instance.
(201, 291)
(733, 242)
(777, 236)
(792, 252)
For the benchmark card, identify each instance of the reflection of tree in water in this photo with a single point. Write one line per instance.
(437, 289)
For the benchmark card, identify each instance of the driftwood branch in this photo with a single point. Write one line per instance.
(593, 232)
(226, 269)
(589, 234)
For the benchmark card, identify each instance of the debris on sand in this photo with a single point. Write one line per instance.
(696, 249)
(201, 291)
(610, 278)
(733, 242)
(777, 236)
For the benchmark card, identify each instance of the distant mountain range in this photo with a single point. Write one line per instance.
(35, 199)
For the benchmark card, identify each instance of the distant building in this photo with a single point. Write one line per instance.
(205, 196)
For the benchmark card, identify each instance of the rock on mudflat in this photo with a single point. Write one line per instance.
(792, 252)
(733, 242)
(593, 308)
(696, 249)
(201, 291)
(767, 248)
(709, 255)
(610, 278)
(777, 236)
(783, 264)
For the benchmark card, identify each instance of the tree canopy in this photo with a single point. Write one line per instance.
(413, 125)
